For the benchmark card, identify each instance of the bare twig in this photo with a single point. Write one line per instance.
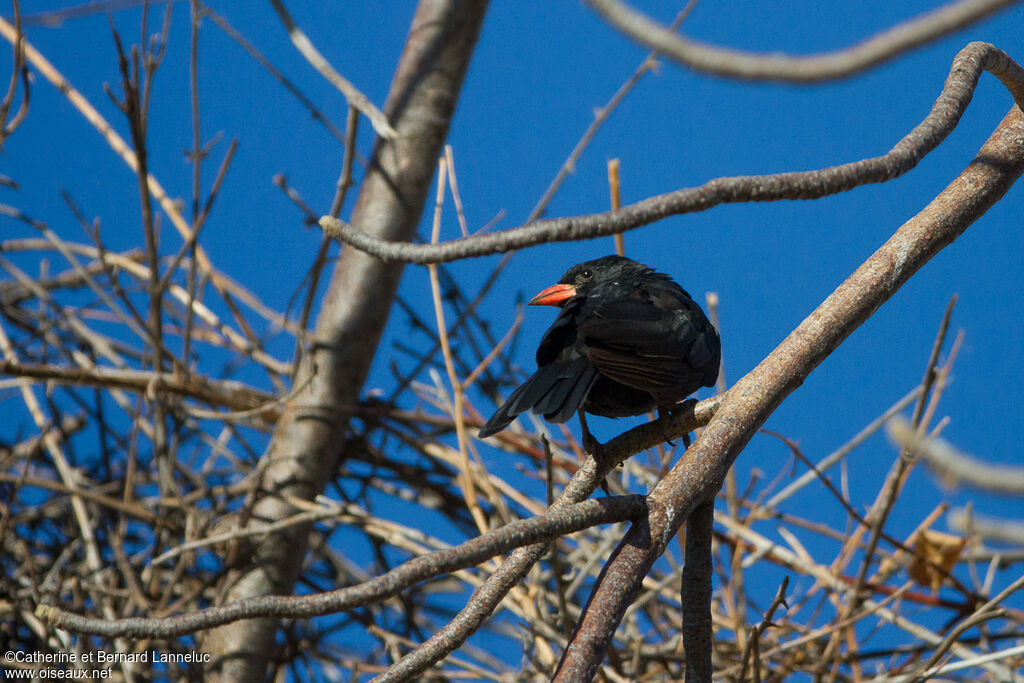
(752, 648)
(356, 99)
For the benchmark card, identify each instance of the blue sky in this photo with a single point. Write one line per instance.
(539, 72)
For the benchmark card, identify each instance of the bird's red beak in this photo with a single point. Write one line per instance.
(555, 295)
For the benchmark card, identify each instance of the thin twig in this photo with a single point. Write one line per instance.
(355, 98)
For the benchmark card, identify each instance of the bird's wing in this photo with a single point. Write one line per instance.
(561, 336)
(658, 342)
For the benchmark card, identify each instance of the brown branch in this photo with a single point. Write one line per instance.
(230, 394)
(878, 515)
(983, 613)
(753, 642)
(136, 511)
(18, 72)
(700, 472)
(694, 595)
(818, 469)
(926, 136)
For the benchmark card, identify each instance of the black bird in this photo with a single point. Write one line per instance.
(627, 340)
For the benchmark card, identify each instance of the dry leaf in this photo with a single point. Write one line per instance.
(935, 548)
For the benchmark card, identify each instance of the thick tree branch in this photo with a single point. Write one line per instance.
(309, 436)
(700, 472)
(944, 116)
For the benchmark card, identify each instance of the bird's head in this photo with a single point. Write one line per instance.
(583, 277)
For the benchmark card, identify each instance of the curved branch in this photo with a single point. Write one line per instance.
(699, 474)
(488, 596)
(843, 63)
(522, 532)
(944, 116)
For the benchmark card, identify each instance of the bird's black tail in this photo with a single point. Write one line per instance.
(555, 391)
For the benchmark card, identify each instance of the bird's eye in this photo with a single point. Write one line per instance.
(586, 273)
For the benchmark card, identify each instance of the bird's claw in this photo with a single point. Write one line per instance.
(669, 411)
(665, 413)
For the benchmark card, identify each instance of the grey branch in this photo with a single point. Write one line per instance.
(803, 69)
(943, 118)
(488, 596)
(552, 524)
(1009, 531)
(955, 466)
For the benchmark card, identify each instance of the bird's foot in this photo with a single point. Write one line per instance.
(665, 413)
(685, 406)
(590, 445)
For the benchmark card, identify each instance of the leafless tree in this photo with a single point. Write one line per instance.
(152, 504)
